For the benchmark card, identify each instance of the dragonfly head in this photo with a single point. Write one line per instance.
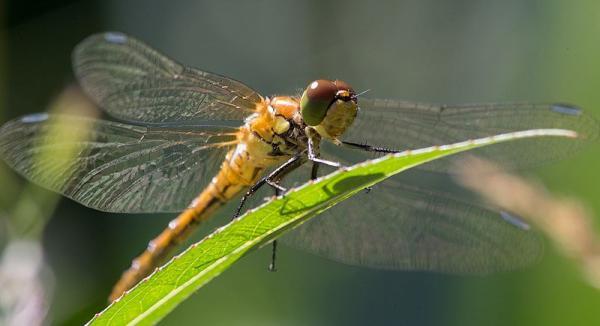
(329, 106)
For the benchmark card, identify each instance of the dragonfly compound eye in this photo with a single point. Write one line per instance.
(316, 99)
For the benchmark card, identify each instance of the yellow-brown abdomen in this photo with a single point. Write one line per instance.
(237, 172)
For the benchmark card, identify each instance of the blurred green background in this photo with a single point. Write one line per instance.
(425, 50)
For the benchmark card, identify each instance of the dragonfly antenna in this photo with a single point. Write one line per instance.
(363, 92)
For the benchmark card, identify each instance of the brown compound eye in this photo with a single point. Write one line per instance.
(316, 100)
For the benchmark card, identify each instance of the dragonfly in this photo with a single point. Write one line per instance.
(187, 141)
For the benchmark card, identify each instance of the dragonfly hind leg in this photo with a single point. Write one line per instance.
(272, 180)
(314, 172)
(272, 268)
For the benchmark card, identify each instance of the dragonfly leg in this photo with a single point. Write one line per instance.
(272, 268)
(325, 162)
(247, 195)
(273, 257)
(369, 148)
(314, 172)
(313, 155)
(272, 180)
(278, 188)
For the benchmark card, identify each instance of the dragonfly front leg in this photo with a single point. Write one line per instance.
(313, 153)
(369, 148)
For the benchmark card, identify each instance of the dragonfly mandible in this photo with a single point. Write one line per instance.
(189, 141)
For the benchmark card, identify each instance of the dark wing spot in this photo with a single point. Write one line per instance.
(565, 109)
(514, 220)
(36, 117)
(115, 37)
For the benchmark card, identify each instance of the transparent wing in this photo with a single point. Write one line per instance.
(113, 166)
(133, 82)
(406, 125)
(401, 225)
(422, 220)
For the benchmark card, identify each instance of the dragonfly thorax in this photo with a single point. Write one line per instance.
(278, 126)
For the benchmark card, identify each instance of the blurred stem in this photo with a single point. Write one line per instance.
(31, 212)
(565, 221)
(31, 207)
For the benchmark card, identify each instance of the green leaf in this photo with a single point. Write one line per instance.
(159, 294)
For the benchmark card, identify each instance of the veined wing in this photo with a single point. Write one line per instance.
(112, 166)
(134, 82)
(401, 225)
(407, 125)
(421, 220)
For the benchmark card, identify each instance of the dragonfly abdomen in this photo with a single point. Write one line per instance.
(242, 167)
